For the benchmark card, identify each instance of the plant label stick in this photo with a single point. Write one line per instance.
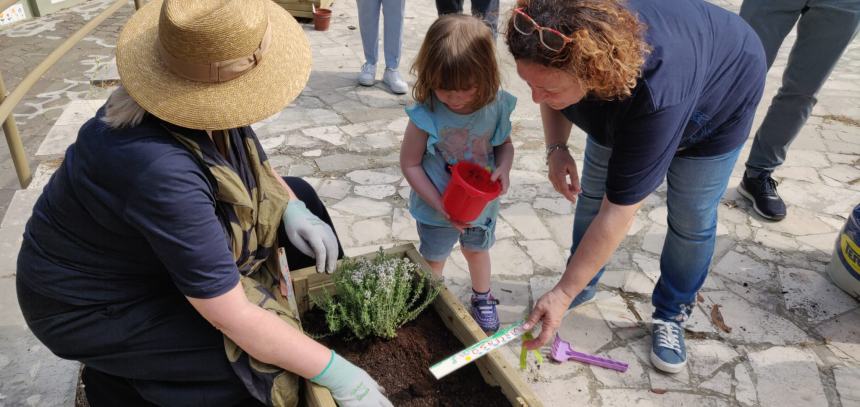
(481, 348)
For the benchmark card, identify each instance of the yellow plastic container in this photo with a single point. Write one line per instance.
(844, 267)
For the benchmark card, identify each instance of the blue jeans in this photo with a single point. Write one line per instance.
(696, 185)
(368, 23)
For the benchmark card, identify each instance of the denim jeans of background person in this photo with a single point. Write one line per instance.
(392, 34)
(487, 10)
(824, 30)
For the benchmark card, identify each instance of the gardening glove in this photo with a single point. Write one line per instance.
(311, 235)
(350, 385)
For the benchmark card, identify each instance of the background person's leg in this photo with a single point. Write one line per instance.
(449, 6)
(487, 10)
(393, 32)
(368, 24)
(824, 31)
(772, 21)
(305, 192)
(393, 14)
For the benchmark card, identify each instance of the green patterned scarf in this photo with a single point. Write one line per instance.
(250, 203)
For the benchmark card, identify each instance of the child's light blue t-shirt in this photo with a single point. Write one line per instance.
(454, 137)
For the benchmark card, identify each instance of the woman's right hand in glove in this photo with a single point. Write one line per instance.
(350, 385)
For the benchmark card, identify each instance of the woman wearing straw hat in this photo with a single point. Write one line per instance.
(152, 254)
(666, 90)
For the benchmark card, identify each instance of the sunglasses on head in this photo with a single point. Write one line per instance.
(550, 38)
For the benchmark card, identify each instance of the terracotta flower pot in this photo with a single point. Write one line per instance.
(322, 18)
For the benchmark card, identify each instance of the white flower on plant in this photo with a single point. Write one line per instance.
(358, 275)
(389, 271)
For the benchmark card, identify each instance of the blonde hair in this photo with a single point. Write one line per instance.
(458, 53)
(608, 48)
(121, 111)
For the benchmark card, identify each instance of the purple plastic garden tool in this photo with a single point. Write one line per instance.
(561, 351)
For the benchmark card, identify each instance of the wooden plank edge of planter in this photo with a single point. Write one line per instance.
(494, 369)
(317, 396)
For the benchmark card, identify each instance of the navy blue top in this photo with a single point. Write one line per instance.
(696, 96)
(129, 214)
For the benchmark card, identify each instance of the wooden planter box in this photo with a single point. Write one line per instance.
(302, 8)
(494, 369)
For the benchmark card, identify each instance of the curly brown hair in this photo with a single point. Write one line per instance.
(458, 53)
(608, 47)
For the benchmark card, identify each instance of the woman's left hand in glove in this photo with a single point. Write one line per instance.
(311, 235)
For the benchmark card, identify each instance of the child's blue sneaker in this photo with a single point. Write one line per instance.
(484, 312)
(584, 297)
(668, 352)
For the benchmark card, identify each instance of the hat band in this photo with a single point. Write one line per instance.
(221, 71)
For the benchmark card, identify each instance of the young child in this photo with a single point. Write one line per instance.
(460, 114)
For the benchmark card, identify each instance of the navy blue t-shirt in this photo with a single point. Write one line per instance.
(696, 96)
(129, 214)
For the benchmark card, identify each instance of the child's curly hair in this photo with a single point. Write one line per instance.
(458, 53)
(608, 48)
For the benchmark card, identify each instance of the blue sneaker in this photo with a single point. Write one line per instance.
(484, 312)
(668, 352)
(584, 297)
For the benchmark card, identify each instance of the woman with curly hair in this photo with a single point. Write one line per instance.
(664, 90)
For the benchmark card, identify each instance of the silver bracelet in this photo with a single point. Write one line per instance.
(552, 147)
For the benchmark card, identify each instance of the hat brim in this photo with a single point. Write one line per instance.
(257, 94)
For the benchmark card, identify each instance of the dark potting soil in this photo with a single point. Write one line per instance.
(401, 365)
(478, 178)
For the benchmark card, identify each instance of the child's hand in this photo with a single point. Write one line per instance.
(460, 226)
(504, 175)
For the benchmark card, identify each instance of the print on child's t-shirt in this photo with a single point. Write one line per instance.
(457, 144)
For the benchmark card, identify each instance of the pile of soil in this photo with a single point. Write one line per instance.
(401, 365)
(478, 178)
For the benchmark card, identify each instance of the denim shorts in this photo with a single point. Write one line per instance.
(437, 241)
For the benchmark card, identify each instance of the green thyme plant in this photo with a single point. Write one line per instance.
(376, 296)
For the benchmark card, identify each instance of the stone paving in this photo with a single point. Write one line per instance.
(794, 337)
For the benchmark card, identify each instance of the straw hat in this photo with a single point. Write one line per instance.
(213, 64)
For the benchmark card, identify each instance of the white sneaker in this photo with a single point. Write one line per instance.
(367, 77)
(394, 81)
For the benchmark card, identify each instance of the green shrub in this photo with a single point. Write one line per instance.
(377, 296)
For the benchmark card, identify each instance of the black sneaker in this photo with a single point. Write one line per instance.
(761, 191)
